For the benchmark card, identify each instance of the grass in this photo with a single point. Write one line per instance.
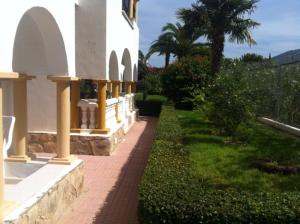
(222, 164)
(139, 96)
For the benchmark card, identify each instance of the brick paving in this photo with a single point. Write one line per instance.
(111, 183)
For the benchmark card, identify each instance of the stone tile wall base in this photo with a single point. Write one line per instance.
(51, 207)
(98, 145)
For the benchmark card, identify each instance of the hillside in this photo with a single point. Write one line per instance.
(287, 57)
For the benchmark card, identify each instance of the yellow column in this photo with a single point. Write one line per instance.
(116, 94)
(20, 113)
(75, 98)
(136, 11)
(131, 16)
(128, 92)
(133, 87)
(63, 120)
(102, 87)
(128, 87)
(5, 206)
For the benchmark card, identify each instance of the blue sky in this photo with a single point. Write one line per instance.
(279, 30)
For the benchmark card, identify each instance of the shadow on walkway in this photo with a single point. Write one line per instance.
(120, 206)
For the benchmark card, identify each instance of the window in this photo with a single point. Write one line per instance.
(126, 7)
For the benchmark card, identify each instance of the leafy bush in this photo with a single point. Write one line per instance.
(184, 82)
(249, 57)
(88, 89)
(236, 96)
(169, 193)
(151, 106)
(150, 84)
(254, 90)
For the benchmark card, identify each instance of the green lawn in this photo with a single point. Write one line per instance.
(139, 96)
(222, 163)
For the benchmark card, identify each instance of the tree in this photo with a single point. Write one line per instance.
(143, 65)
(178, 40)
(252, 58)
(218, 18)
(163, 46)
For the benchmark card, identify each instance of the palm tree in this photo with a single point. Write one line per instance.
(143, 58)
(218, 18)
(143, 64)
(164, 46)
(176, 39)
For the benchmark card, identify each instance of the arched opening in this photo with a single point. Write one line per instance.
(113, 67)
(39, 50)
(113, 72)
(127, 74)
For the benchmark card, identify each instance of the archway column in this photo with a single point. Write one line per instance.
(116, 94)
(128, 87)
(21, 125)
(131, 13)
(133, 90)
(63, 119)
(75, 98)
(136, 10)
(102, 87)
(5, 206)
(128, 92)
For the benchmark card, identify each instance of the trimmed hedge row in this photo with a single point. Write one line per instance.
(169, 193)
(149, 107)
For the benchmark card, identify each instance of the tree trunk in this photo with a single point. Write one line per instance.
(217, 49)
(167, 60)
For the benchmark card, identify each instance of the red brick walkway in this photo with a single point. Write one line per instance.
(111, 183)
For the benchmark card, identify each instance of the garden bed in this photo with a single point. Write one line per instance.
(196, 176)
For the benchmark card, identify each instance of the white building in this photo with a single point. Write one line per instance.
(89, 39)
(47, 47)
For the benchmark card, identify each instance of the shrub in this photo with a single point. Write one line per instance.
(184, 82)
(151, 106)
(88, 89)
(250, 57)
(228, 103)
(260, 89)
(150, 84)
(169, 193)
(237, 95)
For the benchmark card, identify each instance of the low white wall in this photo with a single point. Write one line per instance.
(283, 127)
(111, 121)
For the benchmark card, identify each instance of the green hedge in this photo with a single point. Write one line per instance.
(149, 107)
(169, 193)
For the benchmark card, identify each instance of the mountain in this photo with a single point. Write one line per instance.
(287, 57)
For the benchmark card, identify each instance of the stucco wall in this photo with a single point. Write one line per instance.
(44, 37)
(102, 29)
(91, 39)
(120, 35)
(37, 38)
(10, 15)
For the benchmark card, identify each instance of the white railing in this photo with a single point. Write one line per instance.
(88, 113)
(111, 120)
(122, 113)
(89, 108)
